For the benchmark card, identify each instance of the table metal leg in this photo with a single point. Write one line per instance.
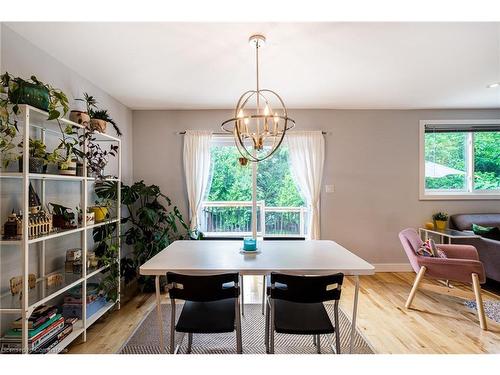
(354, 313)
(242, 296)
(158, 311)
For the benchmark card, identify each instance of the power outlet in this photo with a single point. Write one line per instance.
(329, 189)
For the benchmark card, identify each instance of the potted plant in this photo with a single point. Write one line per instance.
(440, 220)
(67, 152)
(98, 117)
(35, 93)
(37, 156)
(89, 216)
(15, 91)
(83, 117)
(62, 217)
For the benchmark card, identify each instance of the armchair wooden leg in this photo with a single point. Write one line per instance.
(479, 301)
(418, 279)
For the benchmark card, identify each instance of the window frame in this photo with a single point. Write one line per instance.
(228, 140)
(470, 193)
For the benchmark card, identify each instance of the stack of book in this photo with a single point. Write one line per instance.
(46, 328)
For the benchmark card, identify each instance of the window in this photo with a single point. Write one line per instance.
(227, 210)
(460, 159)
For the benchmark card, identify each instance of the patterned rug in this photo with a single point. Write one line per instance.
(491, 308)
(145, 339)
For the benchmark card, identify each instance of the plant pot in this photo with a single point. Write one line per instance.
(100, 213)
(441, 224)
(89, 218)
(68, 170)
(59, 221)
(79, 169)
(36, 165)
(81, 118)
(99, 125)
(31, 94)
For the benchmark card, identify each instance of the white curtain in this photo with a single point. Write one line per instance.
(197, 170)
(307, 157)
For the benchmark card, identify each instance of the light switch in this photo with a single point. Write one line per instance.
(329, 189)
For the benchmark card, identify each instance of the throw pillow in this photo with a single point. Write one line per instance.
(492, 233)
(429, 249)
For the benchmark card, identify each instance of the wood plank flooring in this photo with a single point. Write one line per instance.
(438, 322)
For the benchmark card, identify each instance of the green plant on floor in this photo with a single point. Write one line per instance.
(107, 251)
(440, 216)
(15, 91)
(153, 224)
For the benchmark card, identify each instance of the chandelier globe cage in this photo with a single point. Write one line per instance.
(260, 119)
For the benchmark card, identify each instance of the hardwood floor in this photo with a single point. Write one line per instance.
(438, 322)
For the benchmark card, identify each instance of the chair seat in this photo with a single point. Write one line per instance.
(301, 318)
(207, 317)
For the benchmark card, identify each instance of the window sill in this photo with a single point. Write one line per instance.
(459, 196)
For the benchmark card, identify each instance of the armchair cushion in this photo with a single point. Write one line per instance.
(460, 251)
(452, 269)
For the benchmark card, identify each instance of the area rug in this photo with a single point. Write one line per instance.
(491, 308)
(145, 339)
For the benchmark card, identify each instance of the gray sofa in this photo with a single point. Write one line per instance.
(488, 249)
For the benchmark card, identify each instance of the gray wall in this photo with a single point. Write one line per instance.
(371, 159)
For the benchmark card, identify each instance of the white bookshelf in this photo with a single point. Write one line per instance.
(32, 118)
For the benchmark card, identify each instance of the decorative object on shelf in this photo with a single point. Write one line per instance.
(62, 217)
(255, 121)
(95, 300)
(54, 279)
(73, 263)
(249, 244)
(80, 117)
(440, 220)
(16, 283)
(37, 156)
(92, 261)
(13, 227)
(16, 91)
(39, 221)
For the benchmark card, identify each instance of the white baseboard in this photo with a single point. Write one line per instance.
(393, 267)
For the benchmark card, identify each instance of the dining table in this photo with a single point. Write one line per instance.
(209, 257)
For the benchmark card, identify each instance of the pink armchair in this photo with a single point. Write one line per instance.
(462, 264)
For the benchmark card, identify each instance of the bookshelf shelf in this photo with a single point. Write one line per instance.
(33, 122)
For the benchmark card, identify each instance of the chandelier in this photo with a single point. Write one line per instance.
(260, 119)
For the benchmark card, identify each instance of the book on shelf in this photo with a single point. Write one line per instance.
(11, 342)
(33, 332)
(39, 316)
(55, 339)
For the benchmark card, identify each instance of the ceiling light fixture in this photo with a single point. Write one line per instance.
(260, 119)
(493, 85)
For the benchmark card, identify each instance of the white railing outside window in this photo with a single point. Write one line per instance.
(234, 218)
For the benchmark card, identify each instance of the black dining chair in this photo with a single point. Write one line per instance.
(211, 306)
(295, 306)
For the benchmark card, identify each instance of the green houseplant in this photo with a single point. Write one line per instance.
(152, 224)
(37, 156)
(15, 91)
(440, 220)
(98, 117)
(62, 217)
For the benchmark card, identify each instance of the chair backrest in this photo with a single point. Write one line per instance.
(306, 289)
(411, 241)
(203, 288)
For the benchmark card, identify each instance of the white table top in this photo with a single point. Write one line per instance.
(315, 257)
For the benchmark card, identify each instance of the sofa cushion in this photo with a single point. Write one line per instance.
(465, 221)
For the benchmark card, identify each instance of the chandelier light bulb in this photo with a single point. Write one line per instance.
(241, 114)
(276, 118)
(266, 110)
(246, 120)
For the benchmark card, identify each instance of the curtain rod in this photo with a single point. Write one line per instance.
(228, 134)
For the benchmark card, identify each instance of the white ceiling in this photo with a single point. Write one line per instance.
(312, 65)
